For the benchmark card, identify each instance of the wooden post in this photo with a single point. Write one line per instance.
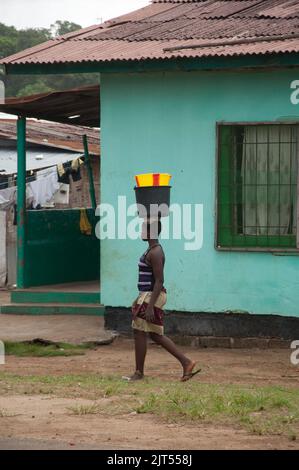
(21, 202)
(90, 174)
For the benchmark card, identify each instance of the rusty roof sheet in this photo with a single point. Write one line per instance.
(54, 135)
(76, 106)
(175, 29)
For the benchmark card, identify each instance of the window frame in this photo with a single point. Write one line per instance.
(255, 249)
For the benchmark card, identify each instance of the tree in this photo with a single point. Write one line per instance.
(39, 86)
(7, 46)
(13, 40)
(8, 40)
(32, 37)
(59, 28)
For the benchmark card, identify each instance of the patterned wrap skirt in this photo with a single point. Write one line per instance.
(139, 321)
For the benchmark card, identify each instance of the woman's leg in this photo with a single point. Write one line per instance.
(169, 345)
(140, 350)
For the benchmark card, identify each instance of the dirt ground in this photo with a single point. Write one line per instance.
(43, 421)
(59, 328)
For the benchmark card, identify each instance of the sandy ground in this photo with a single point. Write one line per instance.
(239, 366)
(81, 328)
(46, 422)
(48, 419)
(4, 296)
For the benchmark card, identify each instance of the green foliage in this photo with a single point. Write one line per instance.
(31, 37)
(13, 40)
(60, 28)
(7, 46)
(39, 86)
(27, 349)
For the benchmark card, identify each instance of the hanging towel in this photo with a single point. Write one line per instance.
(76, 164)
(45, 186)
(85, 225)
(75, 169)
(63, 175)
(63, 194)
(7, 197)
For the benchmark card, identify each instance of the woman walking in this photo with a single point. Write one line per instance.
(147, 309)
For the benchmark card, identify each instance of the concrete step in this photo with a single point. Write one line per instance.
(52, 309)
(28, 296)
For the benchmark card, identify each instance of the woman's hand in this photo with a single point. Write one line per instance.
(149, 314)
(134, 306)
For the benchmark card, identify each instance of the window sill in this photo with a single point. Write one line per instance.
(271, 251)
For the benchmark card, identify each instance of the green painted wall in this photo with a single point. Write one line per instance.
(57, 252)
(167, 122)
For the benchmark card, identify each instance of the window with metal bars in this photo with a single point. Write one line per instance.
(257, 186)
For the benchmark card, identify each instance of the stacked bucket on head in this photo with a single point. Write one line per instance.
(153, 195)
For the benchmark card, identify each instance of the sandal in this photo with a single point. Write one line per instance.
(135, 377)
(189, 375)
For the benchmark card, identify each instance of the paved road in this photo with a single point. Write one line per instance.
(37, 444)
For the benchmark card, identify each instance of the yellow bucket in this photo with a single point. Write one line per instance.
(153, 179)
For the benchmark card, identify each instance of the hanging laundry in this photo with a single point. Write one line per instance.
(62, 196)
(29, 196)
(3, 181)
(15, 215)
(85, 225)
(63, 173)
(45, 186)
(45, 172)
(75, 169)
(65, 170)
(7, 197)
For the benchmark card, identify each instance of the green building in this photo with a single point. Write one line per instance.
(206, 91)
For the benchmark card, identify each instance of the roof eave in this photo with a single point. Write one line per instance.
(271, 60)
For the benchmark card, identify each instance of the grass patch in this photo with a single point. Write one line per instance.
(44, 349)
(6, 414)
(81, 410)
(266, 410)
(261, 410)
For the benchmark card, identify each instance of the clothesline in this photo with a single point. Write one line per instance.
(49, 185)
(59, 167)
(28, 180)
(39, 192)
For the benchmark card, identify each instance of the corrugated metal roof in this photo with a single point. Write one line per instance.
(54, 135)
(175, 29)
(79, 106)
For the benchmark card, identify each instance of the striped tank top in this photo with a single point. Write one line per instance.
(146, 280)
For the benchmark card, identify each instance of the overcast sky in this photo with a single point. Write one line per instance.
(43, 13)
